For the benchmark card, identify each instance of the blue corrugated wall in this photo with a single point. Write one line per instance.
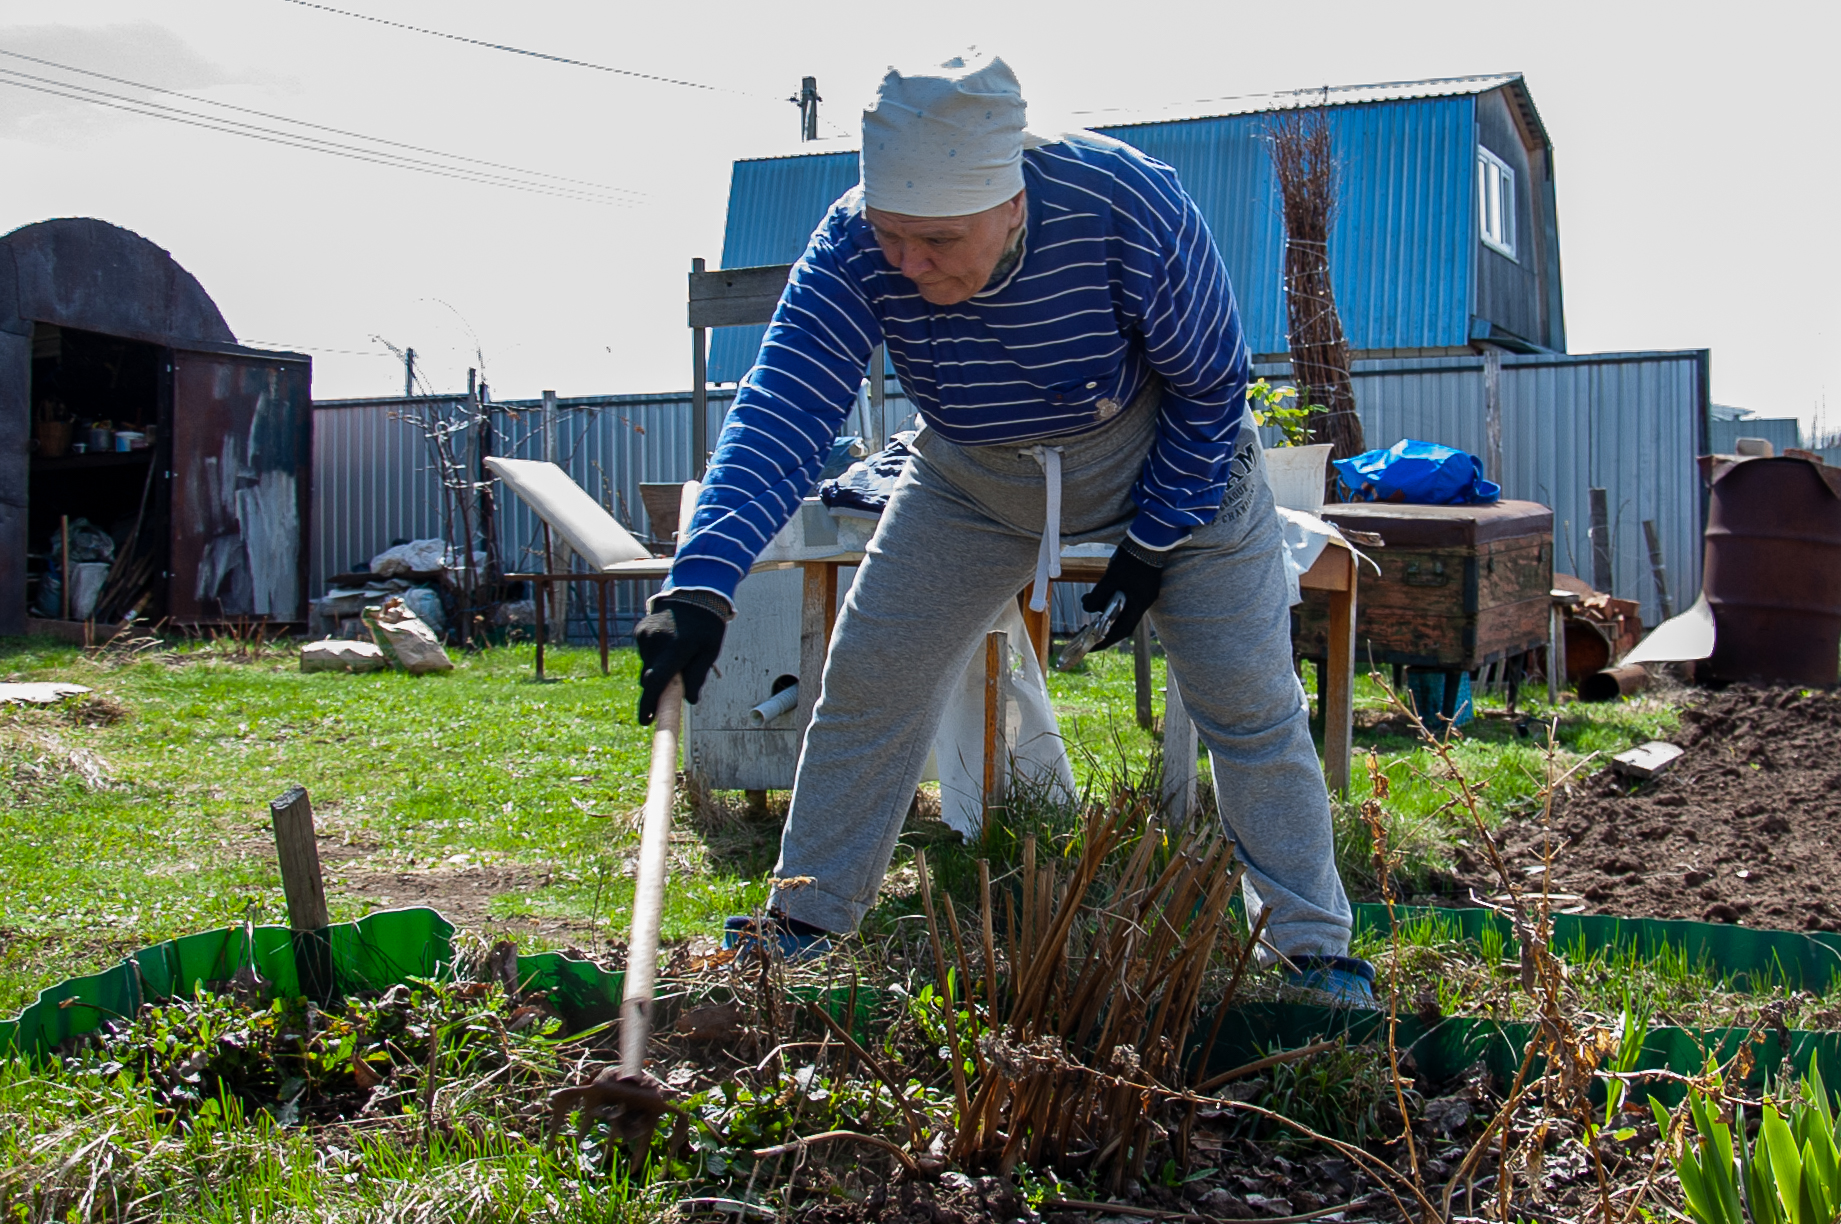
(1401, 252)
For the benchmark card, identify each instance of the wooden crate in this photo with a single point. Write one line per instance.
(1460, 586)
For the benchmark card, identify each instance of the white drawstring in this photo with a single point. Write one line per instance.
(1048, 559)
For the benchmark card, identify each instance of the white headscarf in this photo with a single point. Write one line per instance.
(946, 141)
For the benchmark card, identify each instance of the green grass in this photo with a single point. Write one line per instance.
(478, 768)
(1433, 963)
(196, 1111)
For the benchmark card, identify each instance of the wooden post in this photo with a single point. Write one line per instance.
(878, 395)
(305, 889)
(1338, 699)
(1492, 413)
(1658, 570)
(1178, 753)
(1036, 623)
(468, 460)
(556, 558)
(601, 599)
(699, 393)
(1601, 542)
(1556, 642)
(1556, 630)
(1141, 672)
(541, 594)
(817, 616)
(993, 721)
(64, 560)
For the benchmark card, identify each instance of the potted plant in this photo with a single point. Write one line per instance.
(1295, 467)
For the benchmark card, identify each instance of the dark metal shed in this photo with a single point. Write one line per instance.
(98, 326)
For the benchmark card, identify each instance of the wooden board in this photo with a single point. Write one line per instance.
(734, 296)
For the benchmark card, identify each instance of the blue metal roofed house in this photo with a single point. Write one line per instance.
(1446, 262)
(1445, 234)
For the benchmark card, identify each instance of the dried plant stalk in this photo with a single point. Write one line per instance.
(1304, 162)
(1102, 994)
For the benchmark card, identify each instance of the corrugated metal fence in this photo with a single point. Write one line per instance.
(375, 480)
(1781, 432)
(1630, 423)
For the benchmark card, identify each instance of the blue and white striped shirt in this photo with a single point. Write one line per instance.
(1118, 280)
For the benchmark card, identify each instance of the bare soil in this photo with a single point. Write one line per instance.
(1744, 828)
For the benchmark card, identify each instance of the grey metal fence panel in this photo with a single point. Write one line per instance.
(1781, 432)
(1629, 423)
(373, 483)
(610, 445)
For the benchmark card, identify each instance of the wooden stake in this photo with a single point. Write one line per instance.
(305, 889)
(1657, 570)
(1601, 540)
(292, 815)
(993, 720)
(945, 991)
(64, 545)
(1141, 672)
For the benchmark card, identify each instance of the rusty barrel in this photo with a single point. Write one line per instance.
(1773, 571)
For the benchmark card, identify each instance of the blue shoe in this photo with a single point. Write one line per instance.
(793, 941)
(1343, 981)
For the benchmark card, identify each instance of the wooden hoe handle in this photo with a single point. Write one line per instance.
(649, 890)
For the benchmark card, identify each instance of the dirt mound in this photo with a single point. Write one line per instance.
(1745, 828)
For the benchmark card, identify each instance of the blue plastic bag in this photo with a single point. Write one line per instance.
(864, 488)
(1418, 473)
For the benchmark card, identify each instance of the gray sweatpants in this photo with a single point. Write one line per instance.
(959, 540)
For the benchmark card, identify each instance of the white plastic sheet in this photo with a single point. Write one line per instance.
(1030, 748)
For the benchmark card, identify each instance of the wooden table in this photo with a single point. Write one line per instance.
(647, 569)
(1333, 573)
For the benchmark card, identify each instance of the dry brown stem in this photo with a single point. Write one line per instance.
(1304, 162)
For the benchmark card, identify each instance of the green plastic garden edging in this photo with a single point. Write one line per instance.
(1798, 960)
(393, 946)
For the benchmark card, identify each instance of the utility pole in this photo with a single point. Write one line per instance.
(807, 101)
(699, 391)
(409, 373)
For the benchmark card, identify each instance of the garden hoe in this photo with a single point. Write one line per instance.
(625, 1096)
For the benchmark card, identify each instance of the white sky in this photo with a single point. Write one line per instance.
(1695, 151)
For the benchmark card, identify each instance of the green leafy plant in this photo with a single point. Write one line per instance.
(1788, 1175)
(1275, 406)
(1633, 1030)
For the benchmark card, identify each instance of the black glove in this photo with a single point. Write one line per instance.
(1136, 571)
(678, 638)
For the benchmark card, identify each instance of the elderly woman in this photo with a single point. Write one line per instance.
(1060, 315)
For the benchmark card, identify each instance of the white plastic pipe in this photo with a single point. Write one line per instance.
(775, 705)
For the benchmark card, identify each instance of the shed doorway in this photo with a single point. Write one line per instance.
(98, 423)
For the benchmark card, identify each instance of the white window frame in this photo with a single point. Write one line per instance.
(1495, 202)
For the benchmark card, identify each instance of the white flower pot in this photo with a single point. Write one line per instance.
(1296, 474)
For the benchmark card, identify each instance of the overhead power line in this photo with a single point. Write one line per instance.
(308, 348)
(317, 127)
(532, 182)
(542, 55)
